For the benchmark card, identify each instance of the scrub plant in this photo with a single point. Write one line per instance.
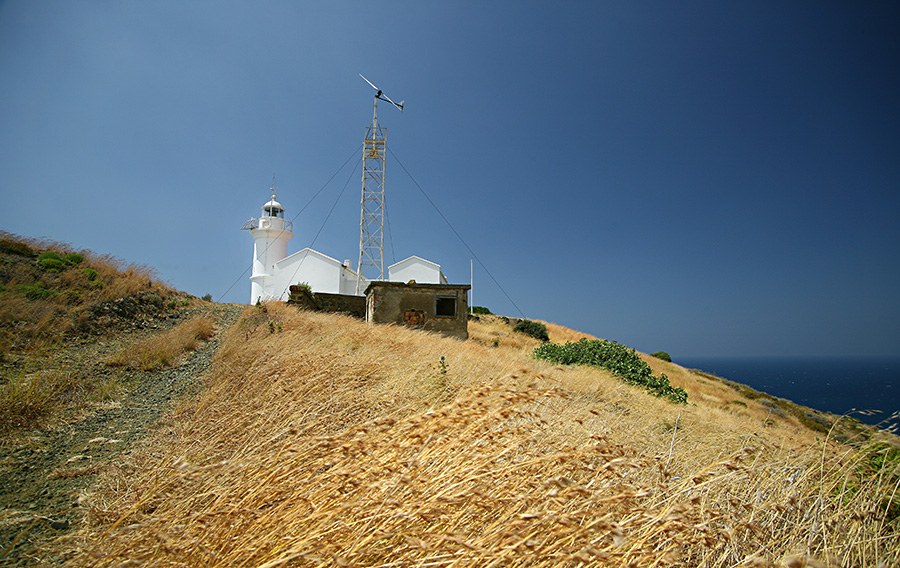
(662, 355)
(535, 329)
(619, 359)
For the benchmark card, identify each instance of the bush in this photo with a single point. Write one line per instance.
(35, 291)
(662, 355)
(615, 358)
(51, 260)
(482, 311)
(207, 298)
(90, 273)
(535, 329)
(74, 259)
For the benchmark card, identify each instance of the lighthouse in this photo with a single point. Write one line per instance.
(271, 233)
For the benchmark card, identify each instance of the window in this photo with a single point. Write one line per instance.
(445, 307)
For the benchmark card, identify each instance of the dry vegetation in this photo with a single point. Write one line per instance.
(164, 349)
(42, 303)
(50, 295)
(319, 440)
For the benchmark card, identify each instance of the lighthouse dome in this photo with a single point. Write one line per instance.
(273, 209)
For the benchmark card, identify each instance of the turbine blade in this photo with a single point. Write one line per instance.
(369, 82)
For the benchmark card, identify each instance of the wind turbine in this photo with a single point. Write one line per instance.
(380, 94)
(371, 218)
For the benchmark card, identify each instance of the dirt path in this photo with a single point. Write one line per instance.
(42, 477)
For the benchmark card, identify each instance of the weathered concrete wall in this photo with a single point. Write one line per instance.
(353, 305)
(322, 302)
(301, 296)
(442, 308)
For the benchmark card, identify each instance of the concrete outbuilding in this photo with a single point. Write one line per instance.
(442, 308)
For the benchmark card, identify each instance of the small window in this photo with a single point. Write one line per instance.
(445, 307)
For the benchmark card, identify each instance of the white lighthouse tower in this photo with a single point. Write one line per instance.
(271, 233)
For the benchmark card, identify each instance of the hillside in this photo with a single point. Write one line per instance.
(54, 301)
(309, 439)
(93, 352)
(320, 440)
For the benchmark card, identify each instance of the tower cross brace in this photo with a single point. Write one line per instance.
(371, 221)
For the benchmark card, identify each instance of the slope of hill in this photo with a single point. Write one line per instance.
(93, 351)
(320, 440)
(53, 300)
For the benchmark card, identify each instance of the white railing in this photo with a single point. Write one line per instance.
(253, 223)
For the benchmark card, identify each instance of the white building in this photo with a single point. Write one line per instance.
(418, 270)
(274, 271)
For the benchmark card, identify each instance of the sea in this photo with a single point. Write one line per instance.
(866, 388)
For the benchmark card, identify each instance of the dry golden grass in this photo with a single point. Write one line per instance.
(68, 299)
(27, 397)
(560, 334)
(164, 349)
(322, 441)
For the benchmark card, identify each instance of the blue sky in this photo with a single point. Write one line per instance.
(703, 178)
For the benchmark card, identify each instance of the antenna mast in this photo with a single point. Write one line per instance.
(371, 220)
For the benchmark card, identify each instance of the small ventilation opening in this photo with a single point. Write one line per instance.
(445, 307)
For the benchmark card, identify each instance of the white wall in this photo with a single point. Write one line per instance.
(422, 272)
(323, 274)
(348, 283)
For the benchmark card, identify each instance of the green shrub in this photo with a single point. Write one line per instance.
(481, 310)
(662, 355)
(74, 259)
(535, 329)
(51, 260)
(90, 273)
(615, 358)
(207, 298)
(35, 291)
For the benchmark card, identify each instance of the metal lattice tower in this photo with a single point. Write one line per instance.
(371, 220)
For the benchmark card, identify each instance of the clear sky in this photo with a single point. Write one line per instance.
(703, 178)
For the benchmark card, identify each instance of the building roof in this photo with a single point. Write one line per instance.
(308, 251)
(415, 286)
(414, 257)
(273, 204)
